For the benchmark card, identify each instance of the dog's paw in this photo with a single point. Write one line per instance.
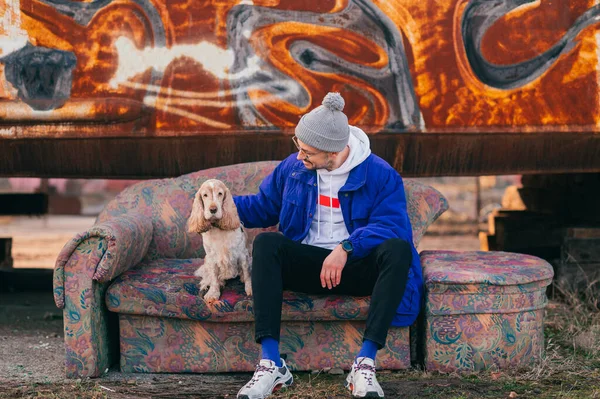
(212, 295)
(248, 288)
(203, 285)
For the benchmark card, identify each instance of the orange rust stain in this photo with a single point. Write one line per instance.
(448, 93)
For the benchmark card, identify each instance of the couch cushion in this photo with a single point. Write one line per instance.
(482, 271)
(168, 288)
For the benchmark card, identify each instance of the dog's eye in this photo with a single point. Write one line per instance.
(205, 195)
(220, 194)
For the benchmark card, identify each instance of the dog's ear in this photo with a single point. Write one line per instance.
(196, 222)
(230, 219)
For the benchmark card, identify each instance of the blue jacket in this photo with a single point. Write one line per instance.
(373, 204)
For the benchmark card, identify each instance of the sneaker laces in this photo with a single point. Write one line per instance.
(366, 371)
(260, 371)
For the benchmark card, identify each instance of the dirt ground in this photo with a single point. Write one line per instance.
(32, 353)
(32, 349)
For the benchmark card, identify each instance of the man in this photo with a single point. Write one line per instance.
(342, 212)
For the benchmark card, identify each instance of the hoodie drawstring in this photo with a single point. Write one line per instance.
(330, 207)
(318, 209)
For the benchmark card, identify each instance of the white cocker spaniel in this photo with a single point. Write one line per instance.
(215, 216)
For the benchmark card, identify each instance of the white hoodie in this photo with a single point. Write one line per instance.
(329, 228)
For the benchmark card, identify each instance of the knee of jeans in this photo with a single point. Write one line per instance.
(397, 248)
(268, 239)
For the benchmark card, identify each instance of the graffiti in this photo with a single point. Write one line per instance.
(479, 15)
(42, 76)
(160, 68)
(357, 46)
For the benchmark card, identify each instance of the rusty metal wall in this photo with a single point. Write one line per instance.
(509, 86)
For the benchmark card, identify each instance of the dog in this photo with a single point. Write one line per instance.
(215, 216)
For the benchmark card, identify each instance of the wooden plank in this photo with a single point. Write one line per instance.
(583, 232)
(522, 229)
(23, 204)
(581, 250)
(487, 241)
(533, 199)
(533, 237)
(26, 280)
(412, 154)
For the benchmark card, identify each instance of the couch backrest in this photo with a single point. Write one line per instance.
(168, 202)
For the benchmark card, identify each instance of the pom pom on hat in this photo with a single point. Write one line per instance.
(333, 101)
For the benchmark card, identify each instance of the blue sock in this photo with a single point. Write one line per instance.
(270, 350)
(368, 349)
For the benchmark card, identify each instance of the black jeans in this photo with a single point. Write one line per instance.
(279, 263)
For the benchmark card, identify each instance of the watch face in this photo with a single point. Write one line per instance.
(347, 246)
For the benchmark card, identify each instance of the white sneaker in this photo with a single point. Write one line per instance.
(361, 380)
(266, 379)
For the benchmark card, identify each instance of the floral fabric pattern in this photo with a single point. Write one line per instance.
(424, 205)
(168, 204)
(451, 268)
(483, 309)
(168, 288)
(141, 236)
(475, 342)
(159, 345)
(86, 320)
(121, 243)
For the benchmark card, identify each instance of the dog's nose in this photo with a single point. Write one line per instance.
(213, 210)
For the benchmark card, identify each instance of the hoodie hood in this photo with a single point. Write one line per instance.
(360, 149)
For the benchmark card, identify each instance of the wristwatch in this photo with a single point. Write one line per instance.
(347, 246)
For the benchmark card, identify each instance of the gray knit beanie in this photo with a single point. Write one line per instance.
(325, 127)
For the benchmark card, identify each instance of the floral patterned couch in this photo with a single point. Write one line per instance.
(483, 310)
(127, 291)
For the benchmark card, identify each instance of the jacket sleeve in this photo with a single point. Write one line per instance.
(388, 219)
(262, 209)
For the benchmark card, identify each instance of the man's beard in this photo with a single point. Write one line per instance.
(328, 164)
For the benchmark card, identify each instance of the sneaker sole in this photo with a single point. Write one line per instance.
(368, 395)
(280, 386)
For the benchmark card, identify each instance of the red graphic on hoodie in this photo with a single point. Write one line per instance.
(329, 201)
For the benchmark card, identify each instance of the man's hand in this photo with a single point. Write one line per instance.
(331, 272)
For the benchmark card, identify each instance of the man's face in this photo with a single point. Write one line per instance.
(312, 158)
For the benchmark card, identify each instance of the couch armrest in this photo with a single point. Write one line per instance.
(119, 244)
(83, 272)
